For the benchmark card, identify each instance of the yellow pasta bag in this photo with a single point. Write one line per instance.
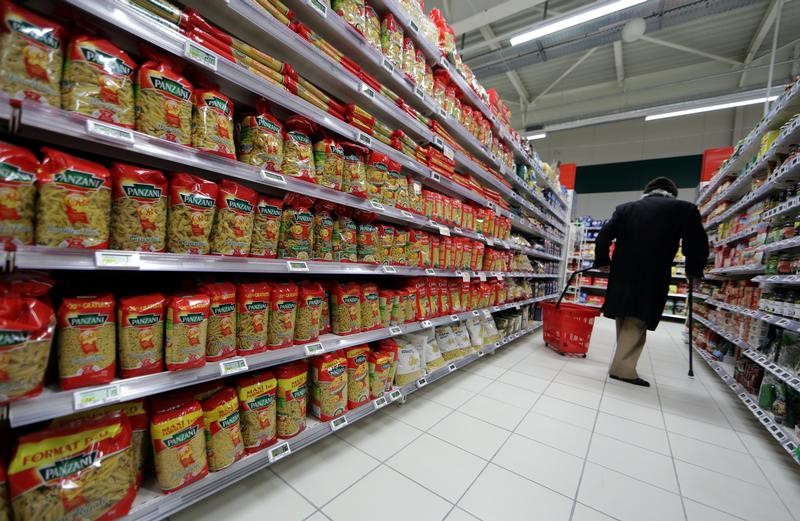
(186, 331)
(98, 81)
(191, 214)
(87, 353)
(292, 394)
(139, 209)
(266, 227)
(233, 226)
(357, 376)
(74, 202)
(252, 317)
(212, 123)
(31, 55)
(329, 385)
(282, 313)
(261, 139)
(18, 168)
(223, 435)
(221, 339)
(257, 408)
(309, 308)
(380, 363)
(164, 100)
(141, 334)
(179, 443)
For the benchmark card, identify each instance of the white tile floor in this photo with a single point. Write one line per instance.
(529, 435)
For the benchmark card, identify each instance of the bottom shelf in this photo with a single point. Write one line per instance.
(152, 504)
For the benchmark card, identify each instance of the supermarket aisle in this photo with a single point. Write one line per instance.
(526, 434)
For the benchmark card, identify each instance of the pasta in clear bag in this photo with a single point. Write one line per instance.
(252, 317)
(179, 443)
(309, 309)
(186, 331)
(140, 321)
(266, 227)
(87, 348)
(138, 209)
(298, 152)
(261, 139)
(233, 223)
(164, 100)
(212, 123)
(221, 335)
(192, 202)
(223, 434)
(18, 171)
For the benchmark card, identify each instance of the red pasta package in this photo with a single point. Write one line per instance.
(309, 312)
(221, 337)
(298, 151)
(163, 98)
(140, 320)
(345, 308)
(282, 314)
(187, 329)
(252, 317)
(266, 227)
(18, 168)
(192, 206)
(233, 225)
(139, 209)
(87, 348)
(179, 442)
(212, 123)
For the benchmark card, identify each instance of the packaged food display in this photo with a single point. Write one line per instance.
(192, 207)
(323, 231)
(370, 307)
(329, 163)
(221, 334)
(252, 317)
(357, 376)
(140, 337)
(345, 236)
(223, 434)
(292, 398)
(266, 227)
(212, 123)
(282, 314)
(261, 139)
(186, 331)
(138, 209)
(257, 404)
(392, 39)
(329, 385)
(309, 308)
(18, 170)
(164, 100)
(345, 308)
(298, 153)
(296, 236)
(179, 443)
(379, 367)
(86, 341)
(233, 222)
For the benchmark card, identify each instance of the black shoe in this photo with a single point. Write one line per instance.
(634, 381)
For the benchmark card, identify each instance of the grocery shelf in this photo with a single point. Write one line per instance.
(785, 244)
(776, 320)
(777, 279)
(745, 269)
(787, 376)
(678, 295)
(53, 403)
(744, 234)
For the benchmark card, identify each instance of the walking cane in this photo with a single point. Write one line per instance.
(691, 351)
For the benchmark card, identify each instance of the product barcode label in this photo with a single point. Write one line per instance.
(418, 92)
(363, 138)
(482, 276)
(438, 141)
(430, 271)
(279, 452)
(379, 403)
(197, 54)
(406, 214)
(319, 7)
(465, 276)
(232, 366)
(458, 230)
(388, 65)
(435, 176)
(116, 260)
(389, 269)
(444, 230)
(448, 152)
(273, 176)
(426, 324)
(395, 330)
(110, 132)
(422, 382)
(314, 349)
(395, 395)
(94, 397)
(338, 423)
(377, 206)
(297, 266)
(489, 241)
(413, 26)
(367, 90)
(442, 113)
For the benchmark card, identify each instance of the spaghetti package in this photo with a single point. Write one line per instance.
(179, 442)
(31, 56)
(233, 224)
(164, 101)
(74, 202)
(221, 339)
(357, 376)
(370, 307)
(138, 209)
(252, 317)
(187, 330)
(212, 123)
(282, 313)
(223, 434)
(296, 236)
(98, 81)
(77, 471)
(18, 167)
(140, 323)
(329, 385)
(292, 397)
(257, 410)
(191, 214)
(27, 324)
(380, 363)
(309, 309)
(298, 152)
(345, 308)
(345, 236)
(87, 352)
(266, 227)
(329, 163)
(354, 175)
(261, 139)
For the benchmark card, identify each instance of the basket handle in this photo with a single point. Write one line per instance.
(569, 282)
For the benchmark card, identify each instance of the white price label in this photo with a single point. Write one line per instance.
(388, 65)
(279, 452)
(379, 403)
(480, 354)
(314, 349)
(482, 276)
(516, 306)
(448, 152)
(395, 330)
(232, 366)
(273, 176)
(458, 230)
(363, 138)
(426, 324)
(439, 142)
(319, 6)
(451, 367)
(377, 206)
(430, 271)
(395, 395)
(454, 318)
(496, 345)
(109, 132)
(338, 423)
(418, 92)
(444, 230)
(200, 55)
(389, 269)
(489, 241)
(406, 214)
(499, 276)
(413, 26)
(443, 113)
(465, 276)
(422, 382)
(116, 260)
(486, 313)
(367, 90)
(435, 176)
(94, 397)
(495, 308)
(476, 313)
(297, 266)
(782, 322)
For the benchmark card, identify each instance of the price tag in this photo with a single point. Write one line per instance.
(782, 322)
(406, 214)
(109, 132)
(272, 176)
(480, 354)
(379, 403)
(279, 452)
(430, 271)
(426, 324)
(395, 330)
(448, 152)
(395, 395)
(96, 396)
(458, 230)
(388, 65)
(413, 26)
(454, 318)
(442, 113)
(496, 345)
(499, 276)
(465, 276)
(482, 276)
(363, 138)
(338, 423)
(116, 260)
(451, 367)
(232, 366)
(516, 306)
(376, 205)
(388, 269)
(438, 141)
(444, 230)
(314, 349)
(422, 382)
(486, 313)
(489, 241)
(319, 7)
(475, 313)
(198, 54)
(297, 266)
(495, 308)
(435, 176)
(418, 92)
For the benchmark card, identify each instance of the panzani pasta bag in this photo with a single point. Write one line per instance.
(179, 442)
(345, 308)
(261, 139)
(345, 236)
(298, 153)
(138, 209)
(329, 163)
(212, 123)
(296, 236)
(354, 174)
(98, 81)
(292, 395)
(83, 471)
(186, 331)
(309, 308)
(380, 363)
(282, 312)
(257, 393)
(191, 214)
(18, 167)
(252, 317)
(31, 55)
(370, 307)
(329, 385)
(74, 202)
(221, 336)
(223, 434)
(87, 352)
(323, 231)
(357, 376)
(164, 101)
(266, 227)
(233, 225)
(140, 322)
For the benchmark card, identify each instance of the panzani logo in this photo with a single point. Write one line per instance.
(89, 319)
(171, 87)
(108, 62)
(79, 179)
(69, 466)
(14, 173)
(142, 191)
(197, 200)
(144, 320)
(10, 338)
(181, 436)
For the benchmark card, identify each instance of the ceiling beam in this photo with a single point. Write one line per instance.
(493, 14)
(513, 77)
(620, 66)
(758, 38)
(679, 47)
(564, 75)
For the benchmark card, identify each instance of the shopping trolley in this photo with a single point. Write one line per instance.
(568, 327)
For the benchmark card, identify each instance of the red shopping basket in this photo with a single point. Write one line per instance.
(568, 327)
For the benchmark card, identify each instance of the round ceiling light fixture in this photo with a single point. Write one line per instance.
(633, 30)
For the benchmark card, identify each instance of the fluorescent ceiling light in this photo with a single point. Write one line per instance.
(709, 108)
(571, 20)
(538, 135)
